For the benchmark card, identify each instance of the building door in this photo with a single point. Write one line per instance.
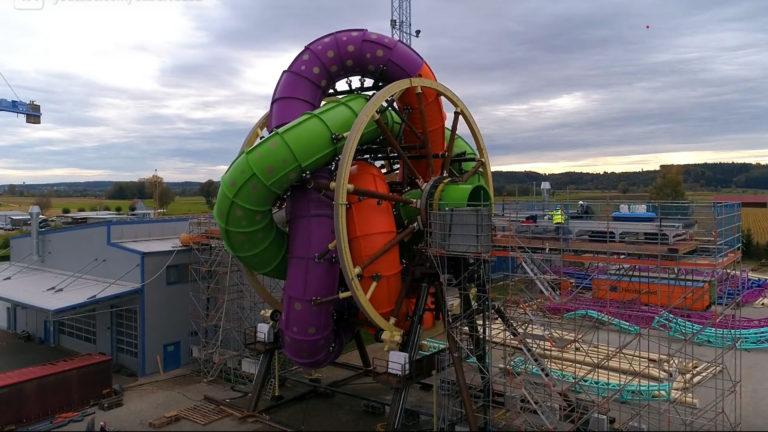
(46, 331)
(171, 356)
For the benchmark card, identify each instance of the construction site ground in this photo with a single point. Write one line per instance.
(152, 397)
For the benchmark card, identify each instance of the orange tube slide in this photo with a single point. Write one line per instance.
(433, 110)
(371, 225)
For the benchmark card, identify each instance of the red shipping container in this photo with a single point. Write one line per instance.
(44, 390)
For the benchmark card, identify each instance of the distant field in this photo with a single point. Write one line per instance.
(756, 219)
(593, 195)
(185, 205)
(181, 206)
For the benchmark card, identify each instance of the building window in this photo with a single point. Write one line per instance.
(127, 332)
(176, 274)
(82, 328)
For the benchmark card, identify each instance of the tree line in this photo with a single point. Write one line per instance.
(704, 176)
(152, 187)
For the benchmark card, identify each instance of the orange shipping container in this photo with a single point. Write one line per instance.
(693, 296)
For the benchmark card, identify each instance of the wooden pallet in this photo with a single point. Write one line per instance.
(203, 413)
(165, 420)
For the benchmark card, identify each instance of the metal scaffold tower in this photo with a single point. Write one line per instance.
(608, 324)
(459, 244)
(225, 309)
(597, 324)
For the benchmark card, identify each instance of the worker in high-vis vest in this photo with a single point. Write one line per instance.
(558, 216)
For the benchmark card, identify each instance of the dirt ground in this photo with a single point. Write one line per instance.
(151, 397)
(15, 353)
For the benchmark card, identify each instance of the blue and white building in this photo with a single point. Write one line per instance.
(117, 287)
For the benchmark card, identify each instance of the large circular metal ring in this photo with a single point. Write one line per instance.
(342, 180)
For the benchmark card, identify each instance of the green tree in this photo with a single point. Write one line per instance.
(165, 196)
(747, 243)
(623, 188)
(162, 194)
(760, 251)
(81, 209)
(118, 208)
(208, 190)
(668, 185)
(44, 202)
(66, 210)
(12, 190)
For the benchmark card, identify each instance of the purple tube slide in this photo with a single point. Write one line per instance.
(334, 57)
(311, 337)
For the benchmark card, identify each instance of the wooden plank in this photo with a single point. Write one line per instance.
(693, 263)
(164, 421)
(507, 240)
(203, 414)
(583, 372)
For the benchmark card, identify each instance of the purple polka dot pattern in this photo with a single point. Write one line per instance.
(334, 57)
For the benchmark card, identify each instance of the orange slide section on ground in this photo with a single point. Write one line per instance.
(695, 298)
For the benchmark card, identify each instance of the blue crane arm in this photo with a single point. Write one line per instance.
(18, 107)
(29, 109)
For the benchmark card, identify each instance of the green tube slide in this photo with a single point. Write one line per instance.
(463, 195)
(472, 193)
(461, 148)
(264, 172)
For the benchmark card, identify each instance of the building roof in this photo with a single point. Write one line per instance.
(90, 214)
(153, 245)
(30, 286)
(757, 198)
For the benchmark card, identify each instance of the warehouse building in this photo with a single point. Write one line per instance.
(8, 217)
(747, 201)
(119, 287)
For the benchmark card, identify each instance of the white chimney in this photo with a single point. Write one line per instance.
(34, 215)
(545, 188)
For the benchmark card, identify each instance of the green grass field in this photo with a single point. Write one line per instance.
(180, 206)
(5, 244)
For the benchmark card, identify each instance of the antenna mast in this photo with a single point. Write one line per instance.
(400, 21)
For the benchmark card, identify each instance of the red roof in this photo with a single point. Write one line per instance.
(762, 199)
(42, 370)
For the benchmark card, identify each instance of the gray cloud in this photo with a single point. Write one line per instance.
(547, 81)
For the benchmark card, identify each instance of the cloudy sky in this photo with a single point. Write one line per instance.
(129, 86)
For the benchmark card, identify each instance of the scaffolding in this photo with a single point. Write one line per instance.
(225, 309)
(624, 317)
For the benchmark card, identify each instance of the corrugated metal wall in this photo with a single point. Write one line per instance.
(167, 309)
